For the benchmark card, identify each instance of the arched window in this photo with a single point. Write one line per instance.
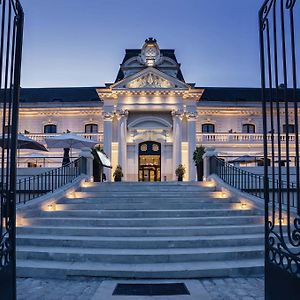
(248, 128)
(91, 128)
(208, 128)
(50, 128)
(290, 127)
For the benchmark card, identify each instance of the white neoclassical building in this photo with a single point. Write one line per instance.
(149, 120)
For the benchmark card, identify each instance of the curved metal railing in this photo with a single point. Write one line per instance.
(41, 184)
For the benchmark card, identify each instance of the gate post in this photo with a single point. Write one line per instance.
(209, 152)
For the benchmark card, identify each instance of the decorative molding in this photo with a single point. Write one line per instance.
(150, 80)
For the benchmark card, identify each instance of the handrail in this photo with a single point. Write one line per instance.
(251, 183)
(38, 185)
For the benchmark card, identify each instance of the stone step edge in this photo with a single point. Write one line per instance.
(142, 239)
(141, 252)
(145, 219)
(204, 265)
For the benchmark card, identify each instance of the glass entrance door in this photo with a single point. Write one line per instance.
(149, 161)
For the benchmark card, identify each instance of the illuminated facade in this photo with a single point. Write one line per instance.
(149, 120)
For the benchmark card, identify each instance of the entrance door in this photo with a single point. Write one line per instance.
(149, 161)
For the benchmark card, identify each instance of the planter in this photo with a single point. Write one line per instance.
(118, 179)
(180, 178)
(200, 171)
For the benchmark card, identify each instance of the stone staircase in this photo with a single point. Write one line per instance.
(142, 230)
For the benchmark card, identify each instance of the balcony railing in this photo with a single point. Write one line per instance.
(202, 138)
(238, 138)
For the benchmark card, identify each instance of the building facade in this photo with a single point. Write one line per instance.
(149, 120)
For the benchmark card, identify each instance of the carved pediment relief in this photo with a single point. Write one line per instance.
(150, 80)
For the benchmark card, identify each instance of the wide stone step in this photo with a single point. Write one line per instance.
(145, 200)
(146, 186)
(146, 206)
(53, 269)
(152, 194)
(142, 231)
(138, 256)
(142, 222)
(148, 189)
(149, 213)
(140, 242)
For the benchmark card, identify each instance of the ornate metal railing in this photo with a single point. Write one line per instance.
(251, 183)
(38, 185)
(240, 138)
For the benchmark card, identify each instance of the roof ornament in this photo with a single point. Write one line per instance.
(150, 53)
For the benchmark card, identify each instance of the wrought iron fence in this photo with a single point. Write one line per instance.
(253, 183)
(38, 185)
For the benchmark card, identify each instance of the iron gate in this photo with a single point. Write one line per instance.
(279, 26)
(11, 37)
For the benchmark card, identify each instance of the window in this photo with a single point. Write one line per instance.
(51, 128)
(208, 128)
(291, 128)
(248, 128)
(6, 128)
(91, 128)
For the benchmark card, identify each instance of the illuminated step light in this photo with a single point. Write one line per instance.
(209, 183)
(71, 195)
(244, 205)
(21, 222)
(51, 207)
(224, 193)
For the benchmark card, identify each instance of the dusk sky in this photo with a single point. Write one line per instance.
(82, 43)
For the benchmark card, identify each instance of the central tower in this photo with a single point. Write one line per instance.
(150, 105)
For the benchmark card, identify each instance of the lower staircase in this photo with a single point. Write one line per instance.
(143, 230)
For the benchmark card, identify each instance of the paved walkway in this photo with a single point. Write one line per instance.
(50, 289)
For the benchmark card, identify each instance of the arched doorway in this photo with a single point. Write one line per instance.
(149, 161)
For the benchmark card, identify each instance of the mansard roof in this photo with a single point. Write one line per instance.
(130, 53)
(232, 94)
(89, 94)
(68, 94)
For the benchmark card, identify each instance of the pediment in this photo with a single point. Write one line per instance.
(150, 78)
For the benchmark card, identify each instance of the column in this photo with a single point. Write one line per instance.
(177, 139)
(108, 119)
(122, 140)
(192, 118)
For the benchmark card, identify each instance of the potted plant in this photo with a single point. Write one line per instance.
(118, 174)
(198, 159)
(180, 171)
